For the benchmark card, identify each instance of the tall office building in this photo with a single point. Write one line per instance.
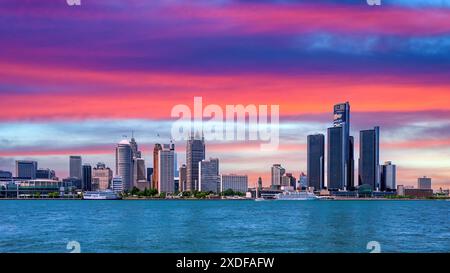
(87, 177)
(209, 179)
(340, 160)
(75, 166)
(424, 183)
(195, 153)
(388, 177)
(155, 176)
(102, 175)
(166, 164)
(335, 159)
(183, 173)
(316, 161)
(303, 181)
(26, 169)
(237, 183)
(135, 148)
(277, 174)
(369, 166)
(124, 164)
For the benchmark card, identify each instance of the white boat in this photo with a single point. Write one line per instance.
(260, 199)
(101, 195)
(296, 196)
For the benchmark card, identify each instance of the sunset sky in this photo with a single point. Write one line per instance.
(75, 79)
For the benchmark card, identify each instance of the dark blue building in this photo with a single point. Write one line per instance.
(369, 158)
(315, 161)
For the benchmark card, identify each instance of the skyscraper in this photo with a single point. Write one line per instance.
(277, 174)
(155, 176)
(102, 175)
(340, 160)
(315, 161)
(183, 172)
(26, 169)
(166, 164)
(335, 159)
(209, 179)
(75, 167)
(388, 177)
(87, 177)
(124, 163)
(195, 152)
(369, 158)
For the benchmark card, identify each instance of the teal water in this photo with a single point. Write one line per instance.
(224, 226)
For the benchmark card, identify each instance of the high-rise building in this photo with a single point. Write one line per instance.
(388, 177)
(340, 160)
(369, 166)
(87, 177)
(75, 166)
(209, 179)
(166, 163)
(316, 161)
(124, 164)
(135, 148)
(335, 159)
(277, 174)
(45, 174)
(183, 173)
(195, 152)
(26, 169)
(424, 183)
(155, 176)
(117, 184)
(102, 175)
(140, 177)
(237, 183)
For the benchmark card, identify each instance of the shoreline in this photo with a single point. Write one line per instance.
(230, 199)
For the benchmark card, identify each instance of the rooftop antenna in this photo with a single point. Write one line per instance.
(132, 133)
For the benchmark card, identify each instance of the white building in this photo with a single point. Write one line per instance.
(238, 183)
(277, 174)
(388, 174)
(117, 184)
(208, 174)
(166, 158)
(124, 163)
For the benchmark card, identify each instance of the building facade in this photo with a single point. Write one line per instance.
(75, 164)
(388, 177)
(209, 179)
(155, 175)
(195, 153)
(117, 184)
(369, 154)
(237, 183)
(102, 175)
(424, 183)
(277, 173)
(316, 161)
(183, 178)
(87, 177)
(26, 169)
(166, 164)
(124, 164)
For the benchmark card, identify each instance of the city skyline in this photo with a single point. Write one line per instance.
(370, 171)
(60, 98)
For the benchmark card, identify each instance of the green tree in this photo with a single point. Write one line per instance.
(135, 191)
(162, 195)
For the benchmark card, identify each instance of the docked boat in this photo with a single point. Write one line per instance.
(101, 195)
(296, 196)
